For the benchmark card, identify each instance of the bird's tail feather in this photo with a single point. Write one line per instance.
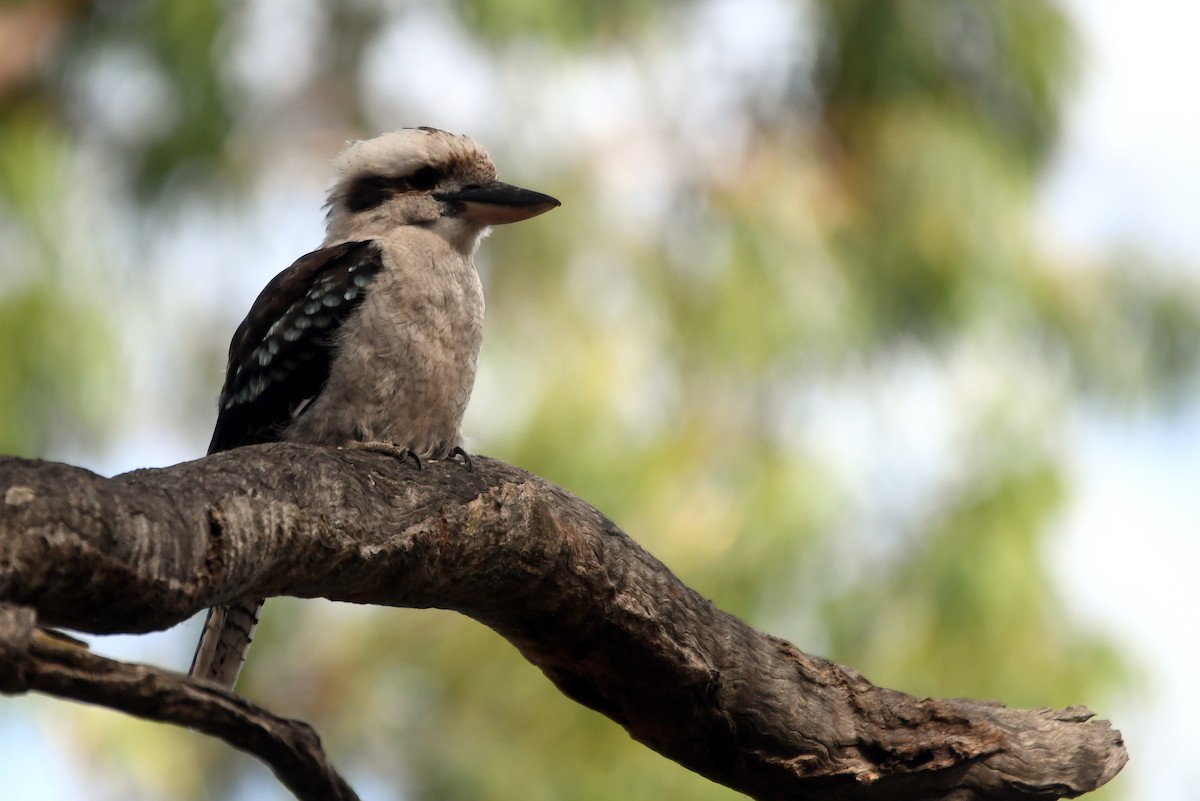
(228, 631)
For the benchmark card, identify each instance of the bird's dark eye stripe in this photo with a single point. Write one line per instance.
(368, 191)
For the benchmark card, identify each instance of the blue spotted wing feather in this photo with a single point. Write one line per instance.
(281, 354)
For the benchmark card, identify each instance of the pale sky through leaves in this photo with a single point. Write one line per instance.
(1128, 175)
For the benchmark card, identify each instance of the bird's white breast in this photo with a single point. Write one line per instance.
(406, 360)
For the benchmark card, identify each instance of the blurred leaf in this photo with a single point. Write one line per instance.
(56, 365)
(572, 25)
(968, 610)
(1130, 333)
(177, 44)
(1003, 66)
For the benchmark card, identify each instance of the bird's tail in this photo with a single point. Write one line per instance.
(228, 631)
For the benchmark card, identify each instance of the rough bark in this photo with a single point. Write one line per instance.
(606, 622)
(32, 658)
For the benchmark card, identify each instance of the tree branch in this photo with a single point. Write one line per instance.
(604, 620)
(35, 659)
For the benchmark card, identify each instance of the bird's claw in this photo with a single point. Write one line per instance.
(389, 449)
(466, 457)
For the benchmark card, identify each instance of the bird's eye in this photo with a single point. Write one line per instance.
(424, 178)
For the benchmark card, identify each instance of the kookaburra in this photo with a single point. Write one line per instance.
(372, 339)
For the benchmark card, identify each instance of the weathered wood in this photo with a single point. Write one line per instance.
(32, 658)
(606, 622)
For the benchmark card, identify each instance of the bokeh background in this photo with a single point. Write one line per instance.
(877, 322)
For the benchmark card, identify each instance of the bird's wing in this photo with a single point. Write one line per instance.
(281, 354)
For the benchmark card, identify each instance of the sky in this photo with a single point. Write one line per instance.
(1128, 175)
(1128, 171)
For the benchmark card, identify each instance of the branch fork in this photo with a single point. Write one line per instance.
(606, 622)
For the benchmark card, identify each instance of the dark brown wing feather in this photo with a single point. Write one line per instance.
(281, 354)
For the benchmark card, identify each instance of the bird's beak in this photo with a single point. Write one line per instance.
(498, 203)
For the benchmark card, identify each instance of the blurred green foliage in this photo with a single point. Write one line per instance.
(575, 26)
(1000, 69)
(875, 227)
(56, 348)
(184, 137)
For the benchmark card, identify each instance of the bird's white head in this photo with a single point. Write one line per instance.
(422, 176)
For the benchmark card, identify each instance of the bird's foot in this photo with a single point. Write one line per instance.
(387, 449)
(466, 457)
